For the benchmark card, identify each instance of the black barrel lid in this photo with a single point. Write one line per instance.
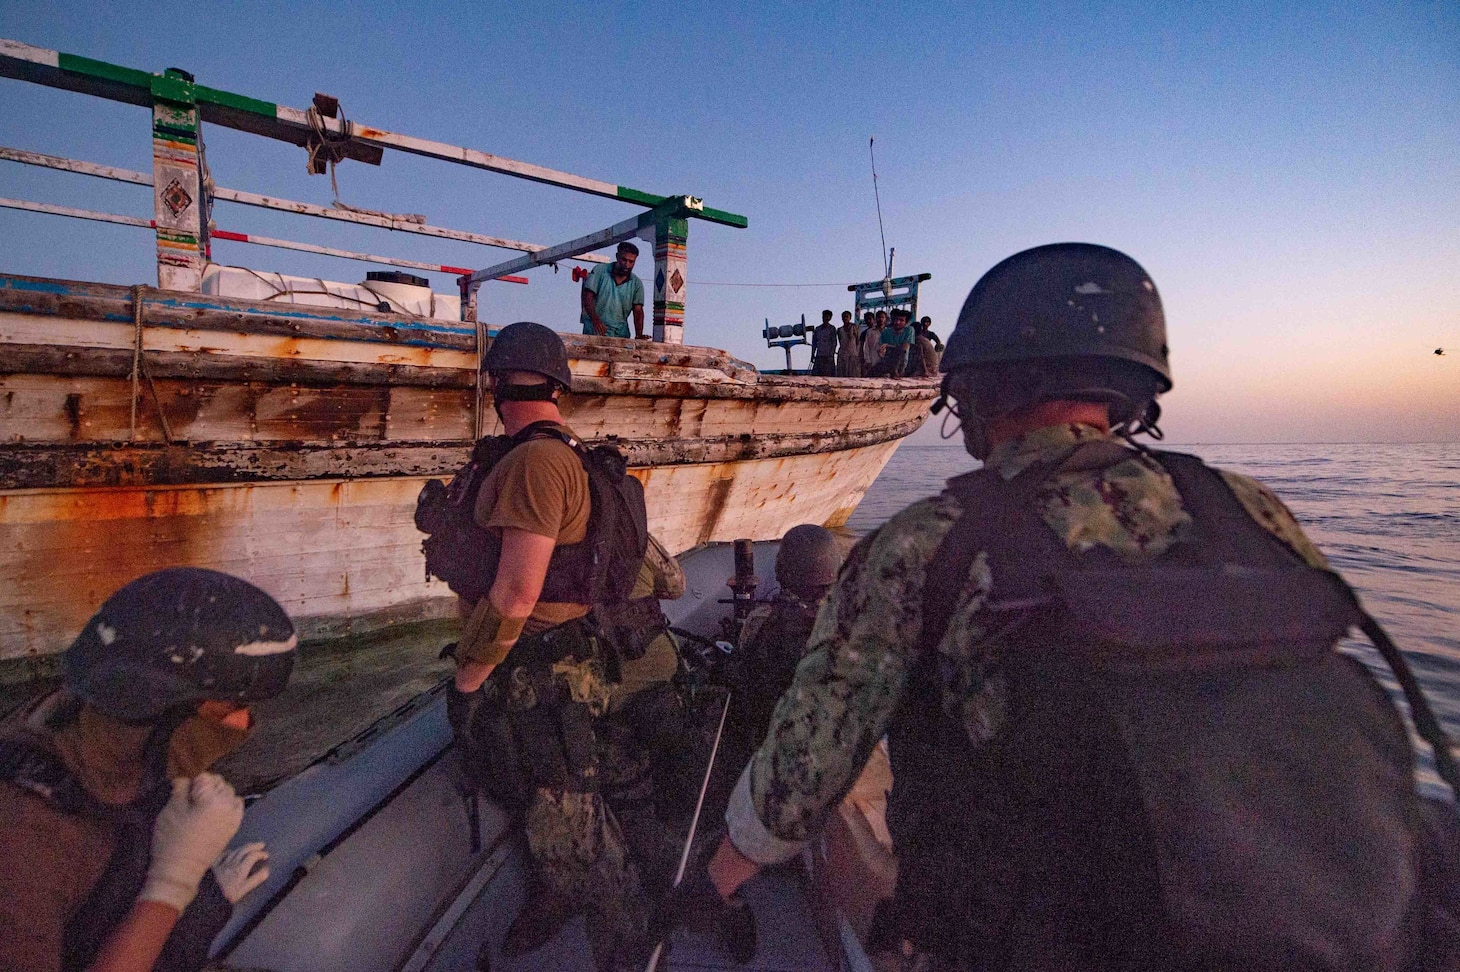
(396, 277)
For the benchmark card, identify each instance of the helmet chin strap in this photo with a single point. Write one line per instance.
(509, 392)
(1144, 424)
(540, 392)
(1129, 419)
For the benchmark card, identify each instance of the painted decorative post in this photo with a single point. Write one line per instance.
(181, 206)
(670, 279)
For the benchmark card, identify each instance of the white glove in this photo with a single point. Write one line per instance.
(235, 871)
(191, 831)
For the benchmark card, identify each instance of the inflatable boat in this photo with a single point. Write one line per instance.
(381, 861)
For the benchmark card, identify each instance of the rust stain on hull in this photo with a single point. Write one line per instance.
(332, 551)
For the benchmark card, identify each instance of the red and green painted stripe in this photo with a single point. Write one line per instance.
(218, 234)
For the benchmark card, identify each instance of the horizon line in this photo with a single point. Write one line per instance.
(959, 445)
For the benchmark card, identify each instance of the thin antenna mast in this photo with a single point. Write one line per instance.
(886, 268)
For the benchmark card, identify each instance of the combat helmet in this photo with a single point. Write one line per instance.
(1062, 301)
(527, 346)
(180, 636)
(809, 557)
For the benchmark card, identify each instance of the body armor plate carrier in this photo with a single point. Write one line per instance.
(1187, 776)
(601, 568)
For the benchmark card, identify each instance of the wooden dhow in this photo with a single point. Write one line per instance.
(147, 427)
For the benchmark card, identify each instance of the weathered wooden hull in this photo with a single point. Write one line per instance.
(141, 429)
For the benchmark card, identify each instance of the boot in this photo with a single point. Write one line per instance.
(737, 930)
(542, 915)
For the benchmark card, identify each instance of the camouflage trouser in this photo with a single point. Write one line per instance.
(603, 850)
(581, 854)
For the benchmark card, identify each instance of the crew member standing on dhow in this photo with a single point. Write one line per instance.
(112, 826)
(848, 348)
(823, 347)
(544, 512)
(1121, 737)
(611, 293)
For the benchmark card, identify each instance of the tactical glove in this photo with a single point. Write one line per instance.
(461, 710)
(695, 904)
(191, 831)
(241, 870)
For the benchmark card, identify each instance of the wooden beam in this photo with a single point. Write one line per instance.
(382, 221)
(35, 300)
(61, 70)
(894, 282)
(350, 254)
(100, 217)
(76, 362)
(91, 214)
(617, 233)
(114, 173)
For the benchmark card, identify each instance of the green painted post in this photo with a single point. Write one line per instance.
(181, 207)
(670, 278)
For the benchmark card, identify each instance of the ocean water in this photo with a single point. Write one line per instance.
(1386, 516)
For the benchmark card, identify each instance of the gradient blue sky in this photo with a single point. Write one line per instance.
(1288, 173)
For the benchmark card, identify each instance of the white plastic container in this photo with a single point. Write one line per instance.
(402, 298)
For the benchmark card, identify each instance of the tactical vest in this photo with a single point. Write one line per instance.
(772, 644)
(41, 772)
(1187, 775)
(599, 568)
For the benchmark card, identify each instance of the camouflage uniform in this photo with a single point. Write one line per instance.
(865, 640)
(599, 849)
(574, 836)
(772, 643)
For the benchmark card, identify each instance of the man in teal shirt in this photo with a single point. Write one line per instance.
(897, 341)
(610, 292)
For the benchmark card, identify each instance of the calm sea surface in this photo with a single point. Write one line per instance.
(1387, 517)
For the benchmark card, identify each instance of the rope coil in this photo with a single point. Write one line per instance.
(327, 149)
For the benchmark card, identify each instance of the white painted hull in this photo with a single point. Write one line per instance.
(339, 554)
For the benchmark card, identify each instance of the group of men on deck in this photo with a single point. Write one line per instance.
(884, 346)
(1121, 734)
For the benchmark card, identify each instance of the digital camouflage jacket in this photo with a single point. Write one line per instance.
(865, 641)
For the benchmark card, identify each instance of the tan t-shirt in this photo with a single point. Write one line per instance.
(540, 487)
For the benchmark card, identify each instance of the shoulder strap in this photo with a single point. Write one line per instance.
(991, 505)
(42, 772)
(1222, 524)
(986, 500)
(955, 554)
(548, 429)
(1223, 518)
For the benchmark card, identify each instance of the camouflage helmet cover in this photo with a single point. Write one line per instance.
(809, 557)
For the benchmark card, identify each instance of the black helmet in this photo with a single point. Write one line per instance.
(1064, 300)
(526, 346)
(809, 557)
(179, 636)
